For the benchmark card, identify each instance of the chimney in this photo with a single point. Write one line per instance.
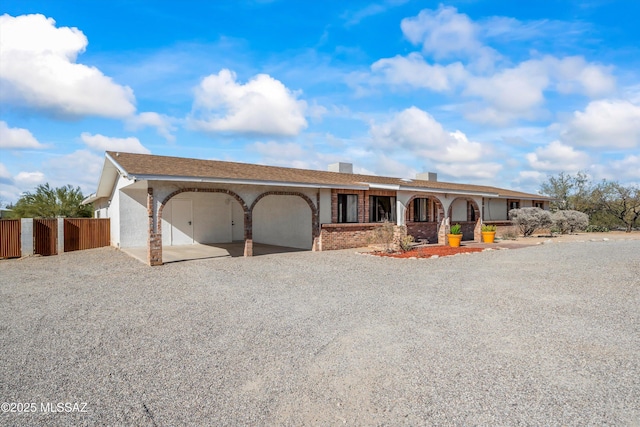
(341, 167)
(427, 176)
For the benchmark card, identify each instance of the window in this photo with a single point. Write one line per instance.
(538, 205)
(421, 210)
(347, 208)
(382, 208)
(514, 204)
(471, 212)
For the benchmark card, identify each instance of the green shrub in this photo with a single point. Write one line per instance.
(488, 228)
(456, 229)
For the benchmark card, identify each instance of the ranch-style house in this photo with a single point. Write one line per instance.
(155, 201)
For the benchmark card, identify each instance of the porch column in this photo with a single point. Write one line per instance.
(443, 231)
(154, 243)
(477, 231)
(248, 233)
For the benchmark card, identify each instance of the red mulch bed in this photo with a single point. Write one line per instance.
(428, 252)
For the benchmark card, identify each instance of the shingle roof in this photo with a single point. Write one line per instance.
(146, 165)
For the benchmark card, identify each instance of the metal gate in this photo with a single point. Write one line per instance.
(45, 236)
(10, 238)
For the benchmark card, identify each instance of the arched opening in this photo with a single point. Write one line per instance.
(465, 211)
(286, 219)
(423, 216)
(203, 216)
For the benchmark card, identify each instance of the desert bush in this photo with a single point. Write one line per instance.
(529, 220)
(570, 221)
(509, 234)
(384, 234)
(406, 243)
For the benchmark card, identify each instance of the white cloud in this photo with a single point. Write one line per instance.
(442, 32)
(413, 70)
(105, 143)
(515, 91)
(63, 170)
(558, 157)
(17, 137)
(627, 168)
(272, 149)
(613, 124)
(416, 131)
(480, 170)
(4, 172)
(573, 74)
(261, 106)
(519, 92)
(38, 68)
(354, 17)
(162, 123)
(29, 178)
(414, 134)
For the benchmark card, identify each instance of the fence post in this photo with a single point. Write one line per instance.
(60, 235)
(26, 236)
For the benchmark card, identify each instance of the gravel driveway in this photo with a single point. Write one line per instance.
(545, 335)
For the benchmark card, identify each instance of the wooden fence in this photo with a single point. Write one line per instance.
(10, 238)
(45, 236)
(86, 233)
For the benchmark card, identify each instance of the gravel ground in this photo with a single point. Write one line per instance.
(544, 335)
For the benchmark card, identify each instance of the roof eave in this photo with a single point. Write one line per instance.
(210, 180)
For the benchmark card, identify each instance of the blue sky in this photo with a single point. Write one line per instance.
(481, 91)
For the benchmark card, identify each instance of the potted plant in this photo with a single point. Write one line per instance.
(455, 236)
(488, 233)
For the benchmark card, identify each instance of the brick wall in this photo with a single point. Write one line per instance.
(423, 230)
(347, 236)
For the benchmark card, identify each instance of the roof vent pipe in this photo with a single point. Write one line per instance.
(341, 167)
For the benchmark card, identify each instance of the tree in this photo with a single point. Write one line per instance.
(47, 202)
(618, 201)
(529, 220)
(571, 192)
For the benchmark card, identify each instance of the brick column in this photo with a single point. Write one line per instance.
(248, 233)
(154, 244)
(445, 227)
(477, 231)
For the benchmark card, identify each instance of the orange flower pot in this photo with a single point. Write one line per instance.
(454, 240)
(488, 236)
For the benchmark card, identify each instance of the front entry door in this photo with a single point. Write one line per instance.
(181, 222)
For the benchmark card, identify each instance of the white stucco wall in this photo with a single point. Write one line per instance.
(459, 210)
(325, 206)
(237, 221)
(114, 211)
(283, 221)
(495, 209)
(212, 214)
(133, 218)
